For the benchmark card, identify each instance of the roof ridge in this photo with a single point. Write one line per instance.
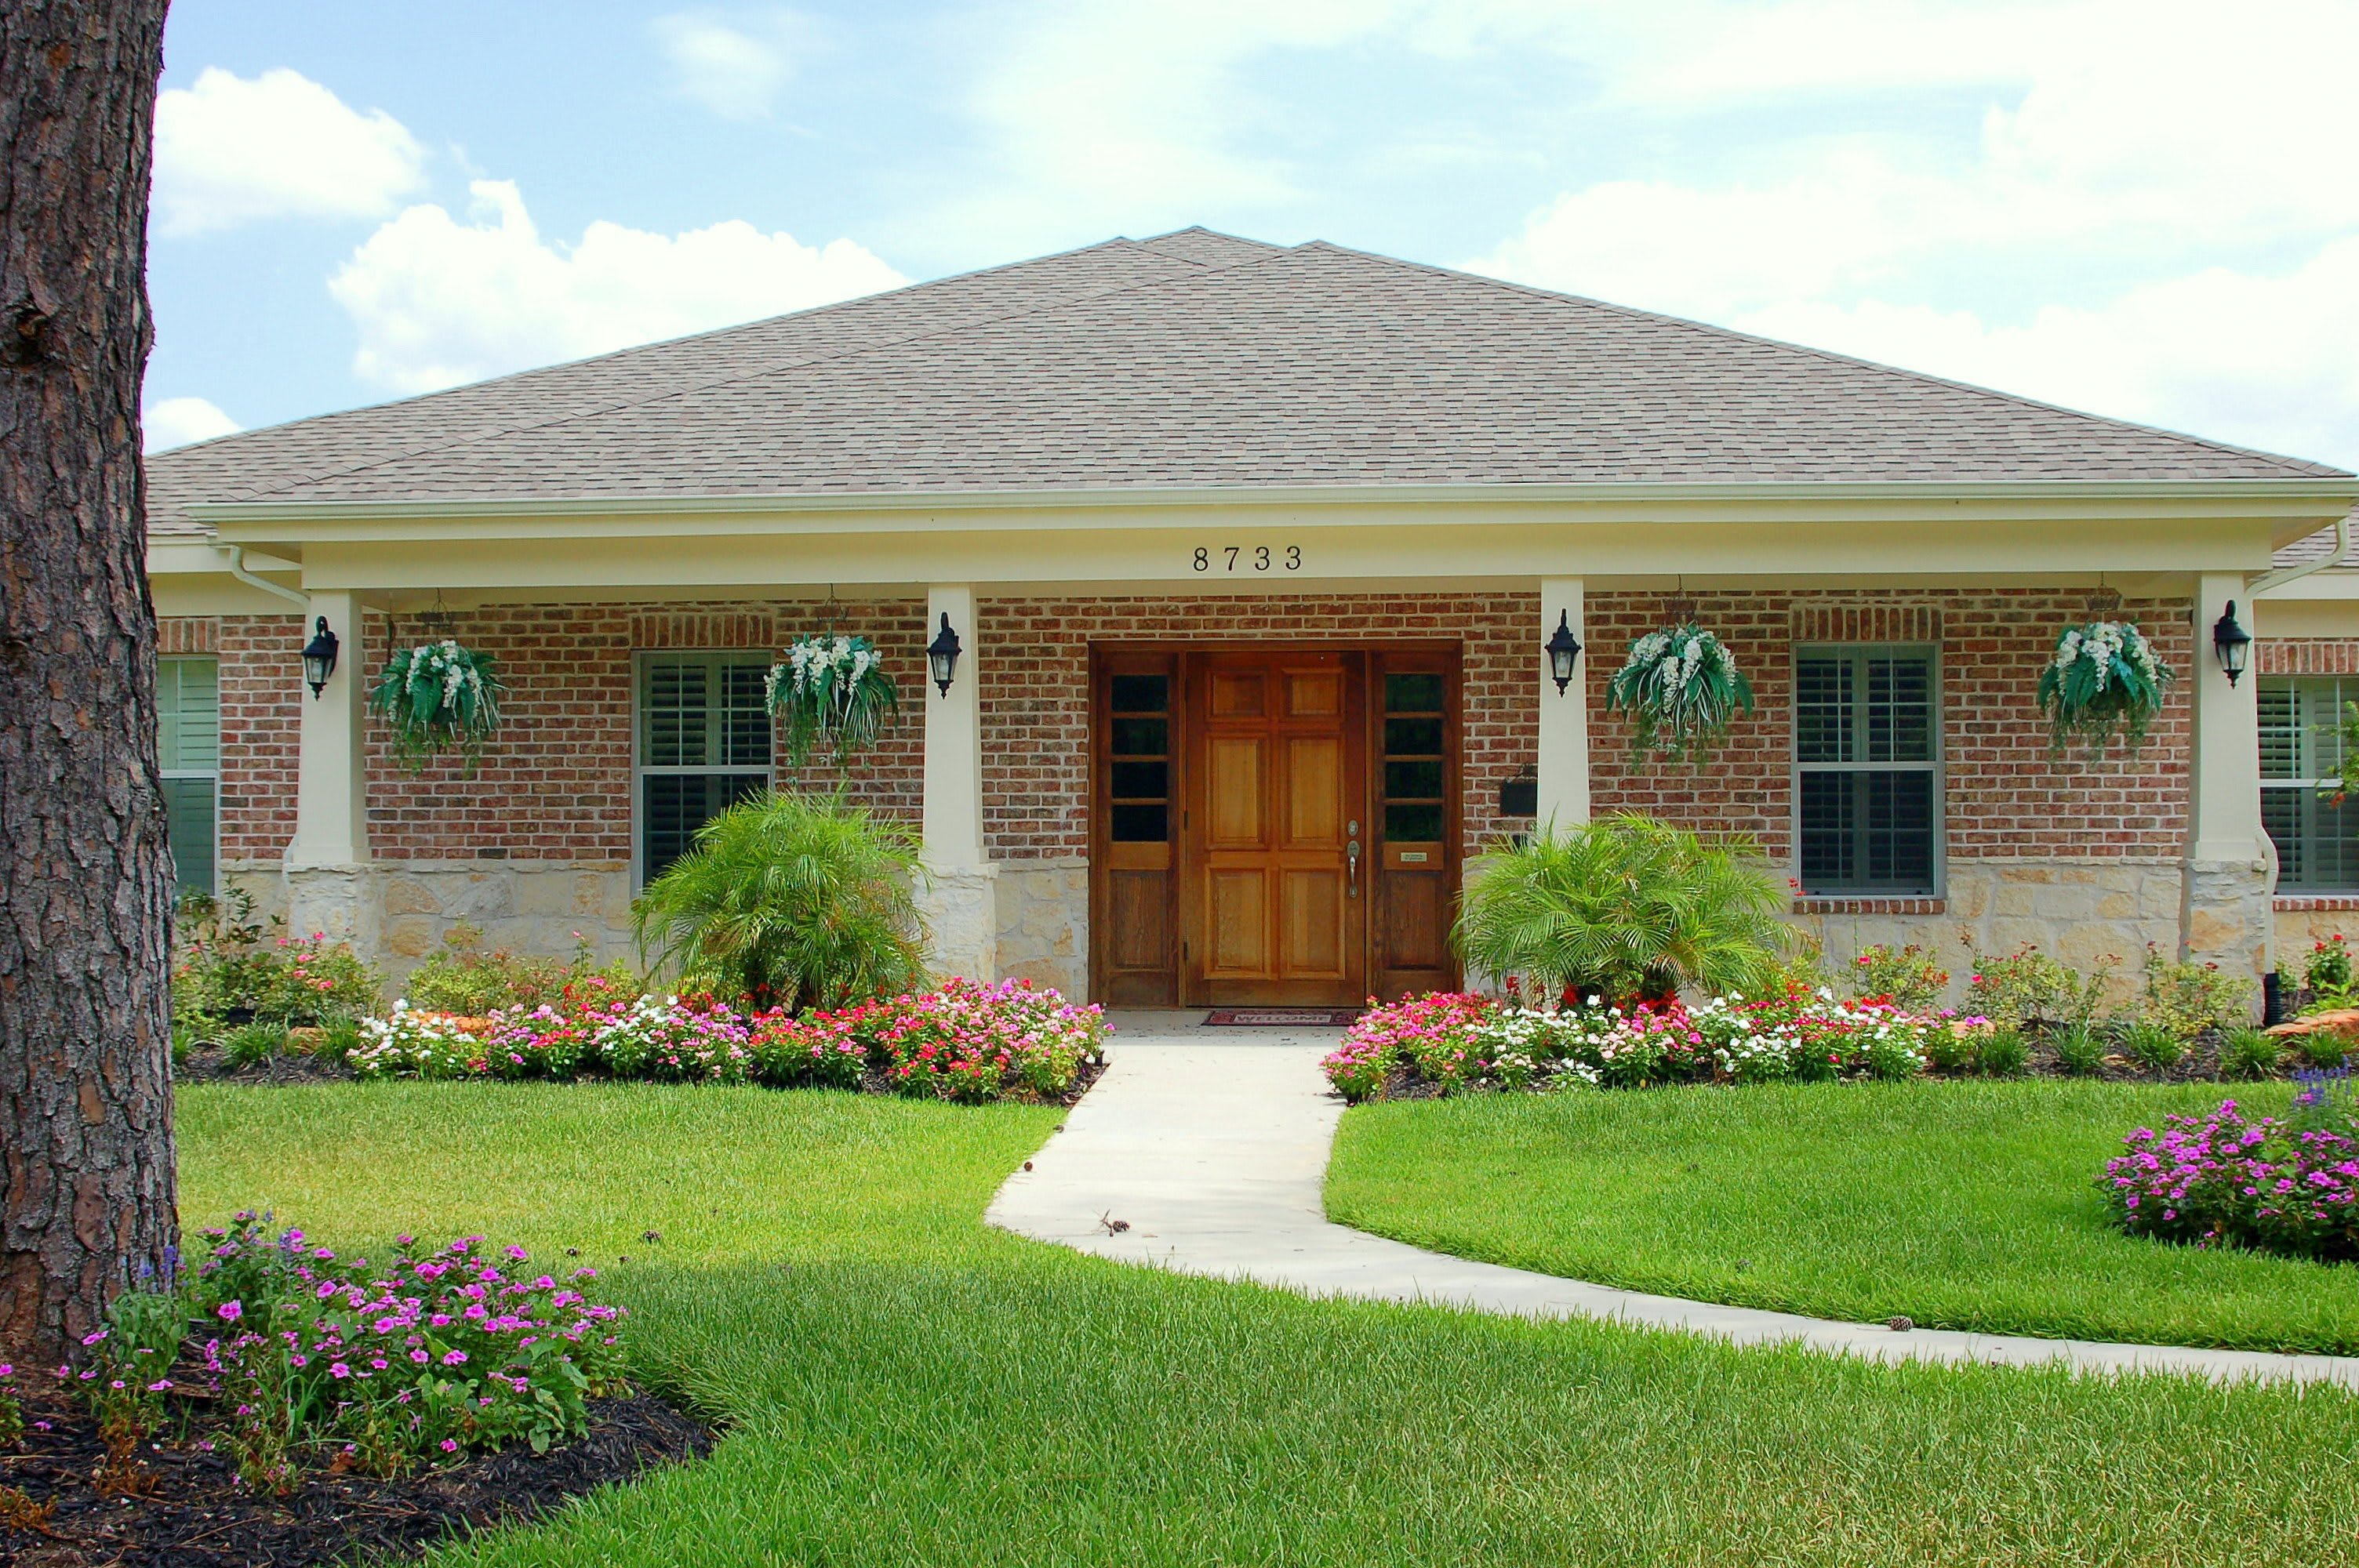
(2298, 465)
(615, 406)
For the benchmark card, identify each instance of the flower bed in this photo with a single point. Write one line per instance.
(1446, 1042)
(2281, 1184)
(279, 1403)
(966, 1041)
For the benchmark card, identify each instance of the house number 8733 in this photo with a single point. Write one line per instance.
(1247, 558)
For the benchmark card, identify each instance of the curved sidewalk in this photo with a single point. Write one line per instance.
(1212, 1146)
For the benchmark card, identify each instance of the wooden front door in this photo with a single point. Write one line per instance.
(1275, 835)
(1229, 787)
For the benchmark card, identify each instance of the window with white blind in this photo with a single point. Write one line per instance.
(2317, 840)
(703, 744)
(187, 748)
(1867, 767)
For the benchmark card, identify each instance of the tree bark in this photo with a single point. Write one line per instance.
(85, 868)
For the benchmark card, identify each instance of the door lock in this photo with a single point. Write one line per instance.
(1352, 859)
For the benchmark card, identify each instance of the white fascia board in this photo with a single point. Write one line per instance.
(2293, 507)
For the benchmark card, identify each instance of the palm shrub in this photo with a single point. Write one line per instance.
(793, 900)
(1623, 908)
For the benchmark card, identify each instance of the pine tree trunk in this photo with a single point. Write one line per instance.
(86, 1194)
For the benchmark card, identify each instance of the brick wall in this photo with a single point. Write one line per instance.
(556, 785)
(1035, 663)
(2006, 795)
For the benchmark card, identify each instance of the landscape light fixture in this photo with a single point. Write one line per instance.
(1563, 648)
(941, 654)
(319, 656)
(2232, 643)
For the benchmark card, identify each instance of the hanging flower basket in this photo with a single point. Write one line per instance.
(438, 697)
(830, 694)
(2104, 680)
(1682, 689)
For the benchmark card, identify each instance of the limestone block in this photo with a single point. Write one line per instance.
(409, 896)
(412, 936)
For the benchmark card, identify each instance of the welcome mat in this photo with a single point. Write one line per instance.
(1281, 1017)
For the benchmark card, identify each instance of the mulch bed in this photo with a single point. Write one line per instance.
(190, 1511)
(210, 1064)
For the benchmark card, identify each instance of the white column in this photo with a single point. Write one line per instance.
(1564, 716)
(2226, 912)
(960, 904)
(327, 882)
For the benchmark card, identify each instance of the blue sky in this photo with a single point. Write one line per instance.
(2149, 210)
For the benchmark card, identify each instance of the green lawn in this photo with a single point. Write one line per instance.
(1959, 1205)
(906, 1387)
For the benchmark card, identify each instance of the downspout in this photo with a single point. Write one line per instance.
(2283, 574)
(237, 570)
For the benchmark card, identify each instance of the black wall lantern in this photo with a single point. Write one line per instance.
(319, 656)
(941, 654)
(1563, 647)
(2232, 643)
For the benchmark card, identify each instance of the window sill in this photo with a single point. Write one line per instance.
(2318, 900)
(1868, 903)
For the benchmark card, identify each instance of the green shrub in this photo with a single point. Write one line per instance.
(1908, 976)
(252, 1045)
(2188, 998)
(2019, 989)
(2325, 1048)
(462, 979)
(1953, 1050)
(2001, 1053)
(1624, 908)
(338, 1038)
(2153, 1044)
(2079, 1052)
(2248, 1053)
(790, 901)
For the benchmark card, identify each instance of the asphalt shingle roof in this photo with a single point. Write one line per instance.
(1192, 359)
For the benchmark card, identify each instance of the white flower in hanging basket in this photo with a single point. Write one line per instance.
(438, 697)
(1682, 689)
(2104, 679)
(831, 693)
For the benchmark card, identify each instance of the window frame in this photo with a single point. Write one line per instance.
(642, 661)
(2306, 791)
(1937, 765)
(213, 774)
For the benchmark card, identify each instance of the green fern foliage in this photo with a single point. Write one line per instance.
(1624, 908)
(791, 901)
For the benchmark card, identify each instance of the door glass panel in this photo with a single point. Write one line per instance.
(1413, 693)
(1413, 822)
(1413, 737)
(1141, 737)
(1141, 781)
(1140, 824)
(1417, 780)
(1142, 694)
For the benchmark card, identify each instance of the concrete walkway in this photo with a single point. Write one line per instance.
(1212, 1145)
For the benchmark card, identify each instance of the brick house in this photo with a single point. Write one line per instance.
(1252, 551)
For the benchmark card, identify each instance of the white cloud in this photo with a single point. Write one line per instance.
(439, 302)
(735, 68)
(177, 421)
(230, 151)
(2265, 360)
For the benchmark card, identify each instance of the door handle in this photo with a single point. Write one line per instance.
(1352, 856)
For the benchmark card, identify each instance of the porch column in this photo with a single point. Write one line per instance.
(959, 901)
(2225, 910)
(329, 884)
(1564, 716)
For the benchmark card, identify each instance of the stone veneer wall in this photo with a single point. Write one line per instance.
(2081, 855)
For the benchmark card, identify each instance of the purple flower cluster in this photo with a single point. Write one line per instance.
(430, 1354)
(2227, 1180)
